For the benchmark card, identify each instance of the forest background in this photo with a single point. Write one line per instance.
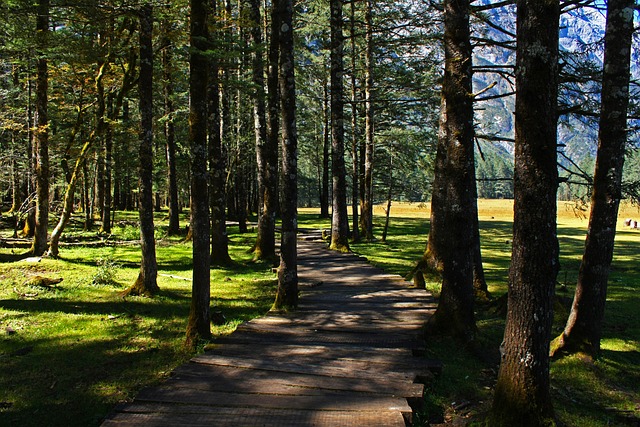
(104, 84)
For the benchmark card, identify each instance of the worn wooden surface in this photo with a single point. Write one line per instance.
(346, 357)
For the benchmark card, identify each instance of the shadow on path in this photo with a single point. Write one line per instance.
(346, 357)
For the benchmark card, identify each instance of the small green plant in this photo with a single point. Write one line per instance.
(106, 273)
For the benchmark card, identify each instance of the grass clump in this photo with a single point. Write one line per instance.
(106, 272)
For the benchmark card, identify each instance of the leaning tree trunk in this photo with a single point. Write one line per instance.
(199, 324)
(522, 395)
(340, 219)
(67, 205)
(146, 283)
(287, 294)
(584, 327)
(39, 245)
(454, 238)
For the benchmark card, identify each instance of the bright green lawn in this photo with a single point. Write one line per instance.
(78, 348)
(601, 393)
(69, 353)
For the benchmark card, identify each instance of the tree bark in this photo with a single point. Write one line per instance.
(146, 283)
(452, 205)
(108, 163)
(355, 169)
(339, 219)
(479, 282)
(218, 126)
(326, 144)
(287, 293)
(584, 327)
(170, 133)
(522, 395)
(39, 245)
(266, 149)
(199, 324)
(366, 220)
(67, 205)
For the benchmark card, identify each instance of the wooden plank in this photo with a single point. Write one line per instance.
(382, 360)
(154, 415)
(336, 369)
(374, 332)
(213, 377)
(328, 339)
(326, 402)
(344, 358)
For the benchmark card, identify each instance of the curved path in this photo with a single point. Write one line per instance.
(349, 356)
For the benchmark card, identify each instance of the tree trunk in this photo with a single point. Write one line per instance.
(199, 325)
(146, 283)
(67, 205)
(86, 191)
(355, 169)
(217, 127)
(584, 327)
(16, 194)
(479, 282)
(39, 245)
(108, 162)
(170, 133)
(366, 221)
(287, 294)
(452, 229)
(266, 142)
(326, 144)
(522, 392)
(340, 219)
(387, 211)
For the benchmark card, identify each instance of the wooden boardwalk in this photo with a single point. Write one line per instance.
(346, 357)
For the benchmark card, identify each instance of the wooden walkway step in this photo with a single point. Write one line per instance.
(346, 357)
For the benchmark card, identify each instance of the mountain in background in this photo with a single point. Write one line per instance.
(581, 47)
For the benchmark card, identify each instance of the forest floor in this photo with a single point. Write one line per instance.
(350, 355)
(71, 351)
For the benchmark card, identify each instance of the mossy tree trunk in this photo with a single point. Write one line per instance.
(146, 283)
(366, 220)
(451, 235)
(218, 125)
(266, 145)
(339, 219)
(199, 324)
(39, 245)
(169, 131)
(287, 293)
(584, 327)
(522, 395)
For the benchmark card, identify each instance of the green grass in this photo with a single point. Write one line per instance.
(69, 353)
(596, 393)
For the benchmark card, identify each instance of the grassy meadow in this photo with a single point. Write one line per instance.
(604, 392)
(69, 352)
